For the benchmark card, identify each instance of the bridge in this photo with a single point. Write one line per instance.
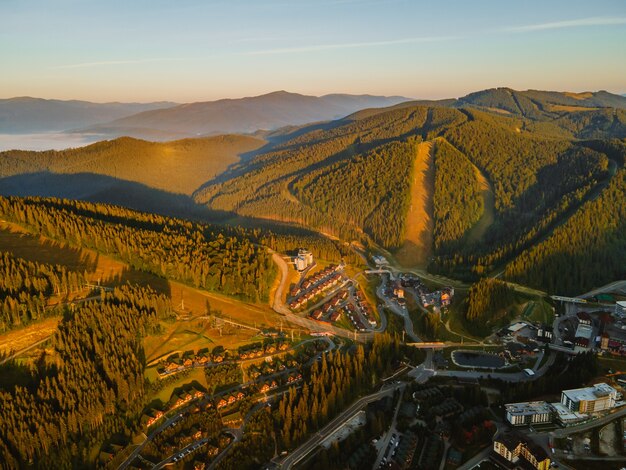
(574, 300)
(431, 345)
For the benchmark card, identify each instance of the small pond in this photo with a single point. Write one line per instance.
(479, 359)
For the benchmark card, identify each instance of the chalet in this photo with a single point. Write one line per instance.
(212, 451)
(335, 316)
(199, 465)
(239, 396)
(231, 399)
(317, 314)
(202, 357)
(196, 433)
(222, 402)
(195, 393)
(283, 346)
(187, 361)
(151, 417)
(294, 377)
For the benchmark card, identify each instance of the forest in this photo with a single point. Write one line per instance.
(25, 289)
(487, 302)
(89, 388)
(587, 251)
(213, 258)
(458, 203)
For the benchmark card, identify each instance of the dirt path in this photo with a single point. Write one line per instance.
(418, 243)
(479, 229)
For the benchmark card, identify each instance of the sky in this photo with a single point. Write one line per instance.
(199, 50)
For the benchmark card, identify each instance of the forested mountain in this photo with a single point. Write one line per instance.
(213, 258)
(245, 115)
(502, 182)
(25, 115)
(180, 166)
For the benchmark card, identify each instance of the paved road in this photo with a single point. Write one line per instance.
(317, 438)
(398, 310)
(312, 325)
(28, 348)
(617, 286)
(392, 430)
(509, 377)
(591, 424)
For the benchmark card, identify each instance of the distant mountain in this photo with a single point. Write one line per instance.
(245, 115)
(535, 104)
(26, 115)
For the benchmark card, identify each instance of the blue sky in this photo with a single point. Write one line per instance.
(191, 50)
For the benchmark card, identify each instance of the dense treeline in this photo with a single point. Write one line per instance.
(538, 182)
(331, 386)
(369, 191)
(488, 300)
(283, 184)
(321, 246)
(458, 203)
(589, 250)
(328, 387)
(91, 386)
(218, 259)
(26, 287)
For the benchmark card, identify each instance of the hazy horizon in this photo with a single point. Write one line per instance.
(202, 51)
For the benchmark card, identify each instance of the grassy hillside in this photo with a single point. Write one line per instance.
(178, 167)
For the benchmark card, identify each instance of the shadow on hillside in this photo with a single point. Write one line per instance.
(106, 189)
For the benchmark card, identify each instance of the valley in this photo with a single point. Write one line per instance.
(252, 267)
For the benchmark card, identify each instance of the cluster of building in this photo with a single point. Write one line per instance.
(176, 362)
(439, 298)
(315, 285)
(177, 400)
(303, 260)
(512, 450)
(330, 311)
(364, 308)
(229, 399)
(575, 405)
(248, 352)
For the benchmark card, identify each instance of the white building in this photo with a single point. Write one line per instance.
(303, 260)
(521, 414)
(566, 416)
(590, 399)
(620, 308)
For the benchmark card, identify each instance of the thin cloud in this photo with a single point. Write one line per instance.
(352, 45)
(116, 62)
(582, 22)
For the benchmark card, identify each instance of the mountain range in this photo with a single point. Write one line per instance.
(25, 115)
(499, 181)
(165, 120)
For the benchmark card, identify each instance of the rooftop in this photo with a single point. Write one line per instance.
(584, 331)
(565, 414)
(590, 393)
(528, 408)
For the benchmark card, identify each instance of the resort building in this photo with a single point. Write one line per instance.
(590, 399)
(522, 414)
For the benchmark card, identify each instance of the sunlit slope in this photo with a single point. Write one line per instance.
(177, 167)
